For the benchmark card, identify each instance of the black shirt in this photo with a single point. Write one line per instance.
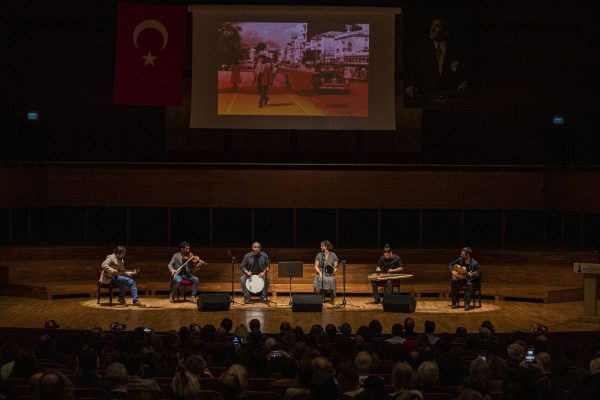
(255, 263)
(386, 264)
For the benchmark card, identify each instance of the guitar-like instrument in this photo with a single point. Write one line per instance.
(461, 272)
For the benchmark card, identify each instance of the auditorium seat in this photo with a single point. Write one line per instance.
(259, 395)
(206, 394)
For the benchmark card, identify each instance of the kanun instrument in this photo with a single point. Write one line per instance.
(461, 272)
(255, 284)
(388, 277)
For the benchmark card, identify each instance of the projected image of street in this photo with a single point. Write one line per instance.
(293, 69)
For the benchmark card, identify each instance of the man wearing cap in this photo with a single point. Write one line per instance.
(114, 271)
(471, 279)
(388, 263)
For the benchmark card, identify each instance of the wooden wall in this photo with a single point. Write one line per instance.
(221, 188)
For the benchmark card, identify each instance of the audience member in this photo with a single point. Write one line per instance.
(53, 385)
(87, 371)
(117, 380)
(185, 386)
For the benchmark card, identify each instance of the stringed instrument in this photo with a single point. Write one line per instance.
(124, 272)
(461, 272)
(130, 272)
(387, 276)
(192, 259)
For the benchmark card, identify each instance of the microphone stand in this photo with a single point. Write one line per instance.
(290, 288)
(233, 260)
(343, 303)
(323, 281)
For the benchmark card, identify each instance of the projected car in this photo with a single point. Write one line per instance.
(330, 77)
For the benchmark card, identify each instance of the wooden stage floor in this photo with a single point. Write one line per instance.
(161, 315)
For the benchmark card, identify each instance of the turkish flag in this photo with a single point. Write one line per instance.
(149, 54)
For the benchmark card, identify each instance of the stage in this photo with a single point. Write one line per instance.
(161, 315)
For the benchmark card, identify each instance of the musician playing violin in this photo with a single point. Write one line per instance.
(255, 262)
(190, 262)
(388, 263)
(114, 271)
(470, 278)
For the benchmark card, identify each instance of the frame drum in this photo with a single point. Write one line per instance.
(255, 284)
(328, 270)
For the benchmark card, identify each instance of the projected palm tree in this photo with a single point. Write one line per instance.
(229, 43)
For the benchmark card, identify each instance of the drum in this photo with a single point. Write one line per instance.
(329, 270)
(255, 284)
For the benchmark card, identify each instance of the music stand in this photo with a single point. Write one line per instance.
(290, 269)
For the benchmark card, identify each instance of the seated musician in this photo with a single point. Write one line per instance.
(388, 263)
(326, 263)
(470, 276)
(114, 271)
(191, 262)
(255, 262)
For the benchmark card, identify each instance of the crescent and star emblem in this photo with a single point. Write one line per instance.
(150, 24)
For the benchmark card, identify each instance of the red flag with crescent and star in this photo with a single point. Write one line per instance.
(149, 54)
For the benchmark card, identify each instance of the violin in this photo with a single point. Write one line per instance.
(193, 258)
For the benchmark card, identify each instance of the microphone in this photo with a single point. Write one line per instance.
(233, 259)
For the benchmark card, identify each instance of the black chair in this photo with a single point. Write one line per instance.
(110, 286)
(476, 291)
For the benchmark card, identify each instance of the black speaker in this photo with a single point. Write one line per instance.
(399, 303)
(213, 302)
(307, 302)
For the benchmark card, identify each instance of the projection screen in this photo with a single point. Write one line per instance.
(277, 67)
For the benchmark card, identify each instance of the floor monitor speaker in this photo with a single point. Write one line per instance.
(404, 303)
(213, 302)
(307, 302)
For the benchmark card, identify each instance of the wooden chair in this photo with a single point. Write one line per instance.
(302, 396)
(280, 389)
(183, 285)
(259, 383)
(437, 396)
(166, 390)
(163, 380)
(259, 395)
(90, 393)
(476, 291)
(110, 286)
(395, 284)
(496, 395)
(210, 383)
(22, 390)
(209, 394)
(218, 371)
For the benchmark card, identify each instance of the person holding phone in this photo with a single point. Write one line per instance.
(530, 355)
